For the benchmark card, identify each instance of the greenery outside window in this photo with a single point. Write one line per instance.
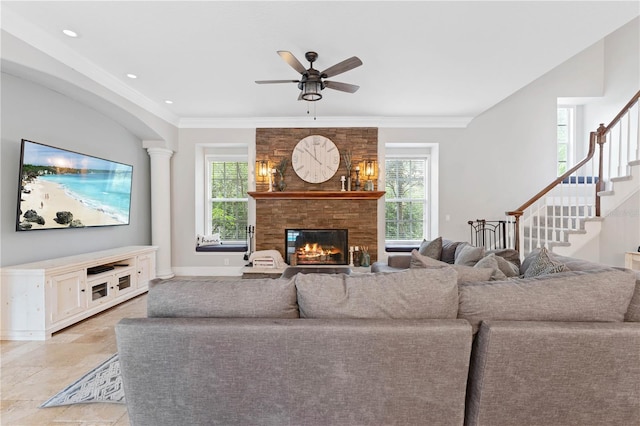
(406, 202)
(228, 202)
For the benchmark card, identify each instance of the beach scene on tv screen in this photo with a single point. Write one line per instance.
(64, 189)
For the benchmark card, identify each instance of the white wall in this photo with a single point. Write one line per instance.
(31, 111)
(187, 188)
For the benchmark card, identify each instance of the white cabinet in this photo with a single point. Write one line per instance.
(68, 294)
(41, 298)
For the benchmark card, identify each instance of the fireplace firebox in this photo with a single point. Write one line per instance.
(316, 246)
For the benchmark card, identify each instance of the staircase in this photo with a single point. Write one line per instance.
(567, 214)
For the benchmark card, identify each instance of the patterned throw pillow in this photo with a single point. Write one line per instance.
(543, 265)
(432, 249)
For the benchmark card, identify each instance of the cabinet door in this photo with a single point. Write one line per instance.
(100, 290)
(146, 269)
(124, 282)
(68, 295)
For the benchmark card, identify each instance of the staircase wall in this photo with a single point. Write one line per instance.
(620, 232)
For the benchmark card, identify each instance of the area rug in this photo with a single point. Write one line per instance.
(102, 384)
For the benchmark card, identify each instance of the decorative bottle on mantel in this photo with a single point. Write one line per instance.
(356, 256)
(357, 178)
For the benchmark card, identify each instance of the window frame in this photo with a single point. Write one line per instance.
(209, 199)
(410, 154)
(571, 138)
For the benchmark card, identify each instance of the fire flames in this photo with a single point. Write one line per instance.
(314, 253)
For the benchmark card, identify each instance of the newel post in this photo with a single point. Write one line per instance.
(601, 140)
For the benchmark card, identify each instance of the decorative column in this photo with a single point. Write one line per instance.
(161, 209)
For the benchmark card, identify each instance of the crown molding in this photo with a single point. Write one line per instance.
(284, 122)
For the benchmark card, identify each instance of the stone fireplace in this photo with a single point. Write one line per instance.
(316, 206)
(316, 246)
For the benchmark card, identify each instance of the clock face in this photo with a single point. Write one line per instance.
(315, 159)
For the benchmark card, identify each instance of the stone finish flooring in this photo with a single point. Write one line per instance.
(33, 371)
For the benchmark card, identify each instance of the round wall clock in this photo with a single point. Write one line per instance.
(315, 159)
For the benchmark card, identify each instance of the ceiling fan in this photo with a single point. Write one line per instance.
(312, 80)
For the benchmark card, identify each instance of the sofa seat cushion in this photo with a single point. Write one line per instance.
(214, 298)
(408, 294)
(601, 295)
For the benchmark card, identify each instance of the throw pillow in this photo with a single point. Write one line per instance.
(508, 269)
(465, 273)
(601, 295)
(432, 249)
(259, 298)
(449, 250)
(409, 294)
(469, 255)
(510, 255)
(208, 240)
(543, 265)
(491, 262)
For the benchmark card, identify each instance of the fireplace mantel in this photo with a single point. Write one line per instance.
(317, 195)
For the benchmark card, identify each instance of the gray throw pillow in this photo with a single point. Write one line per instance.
(601, 295)
(543, 265)
(508, 268)
(490, 262)
(469, 255)
(257, 298)
(409, 294)
(465, 273)
(432, 249)
(449, 250)
(510, 255)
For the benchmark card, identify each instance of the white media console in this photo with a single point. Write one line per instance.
(40, 298)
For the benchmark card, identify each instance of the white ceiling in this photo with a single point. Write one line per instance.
(421, 58)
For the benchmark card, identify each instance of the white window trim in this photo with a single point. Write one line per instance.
(200, 175)
(571, 135)
(417, 149)
(208, 158)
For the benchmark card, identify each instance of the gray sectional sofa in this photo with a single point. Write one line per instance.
(419, 346)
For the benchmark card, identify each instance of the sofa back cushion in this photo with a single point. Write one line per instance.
(215, 298)
(633, 312)
(408, 294)
(600, 295)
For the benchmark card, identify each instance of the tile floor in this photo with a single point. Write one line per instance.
(31, 372)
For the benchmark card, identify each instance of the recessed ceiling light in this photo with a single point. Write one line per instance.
(168, 101)
(132, 75)
(70, 33)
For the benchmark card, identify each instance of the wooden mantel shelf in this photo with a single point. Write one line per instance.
(317, 195)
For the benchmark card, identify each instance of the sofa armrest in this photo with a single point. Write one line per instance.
(525, 372)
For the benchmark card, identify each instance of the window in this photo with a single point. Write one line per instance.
(228, 203)
(406, 203)
(565, 137)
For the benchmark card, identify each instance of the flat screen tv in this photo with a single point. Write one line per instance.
(60, 189)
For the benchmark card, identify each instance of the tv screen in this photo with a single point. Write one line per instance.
(64, 189)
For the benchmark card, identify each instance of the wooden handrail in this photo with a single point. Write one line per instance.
(557, 181)
(597, 137)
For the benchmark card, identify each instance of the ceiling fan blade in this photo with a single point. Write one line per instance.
(300, 96)
(276, 81)
(292, 61)
(343, 87)
(340, 67)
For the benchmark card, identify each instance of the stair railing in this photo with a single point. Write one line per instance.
(561, 208)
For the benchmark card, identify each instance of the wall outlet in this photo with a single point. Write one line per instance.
(226, 261)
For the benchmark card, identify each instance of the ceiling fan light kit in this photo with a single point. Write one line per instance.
(312, 81)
